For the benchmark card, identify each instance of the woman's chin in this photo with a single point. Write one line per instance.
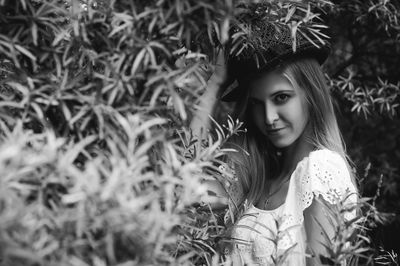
(281, 144)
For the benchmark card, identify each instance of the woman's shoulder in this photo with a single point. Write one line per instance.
(324, 173)
(327, 163)
(322, 161)
(326, 155)
(321, 158)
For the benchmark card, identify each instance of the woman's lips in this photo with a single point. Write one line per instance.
(274, 131)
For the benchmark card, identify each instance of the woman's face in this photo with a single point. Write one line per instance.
(278, 109)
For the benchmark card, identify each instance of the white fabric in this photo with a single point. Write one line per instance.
(262, 237)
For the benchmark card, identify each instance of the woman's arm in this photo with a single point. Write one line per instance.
(201, 121)
(319, 227)
(217, 196)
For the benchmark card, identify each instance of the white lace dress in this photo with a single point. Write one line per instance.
(262, 236)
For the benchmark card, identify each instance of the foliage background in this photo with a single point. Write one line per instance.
(97, 164)
(365, 77)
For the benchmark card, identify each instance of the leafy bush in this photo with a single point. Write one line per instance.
(97, 162)
(364, 73)
(97, 167)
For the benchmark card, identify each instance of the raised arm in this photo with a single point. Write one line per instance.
(217, 197)
(201, 121)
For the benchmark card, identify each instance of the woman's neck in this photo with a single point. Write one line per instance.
(293, 154)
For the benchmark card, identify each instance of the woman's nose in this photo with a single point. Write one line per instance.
(271, 114)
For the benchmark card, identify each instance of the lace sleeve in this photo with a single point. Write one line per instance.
(324, 174)
(328, 177)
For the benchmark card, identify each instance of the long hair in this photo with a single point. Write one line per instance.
(261, 160)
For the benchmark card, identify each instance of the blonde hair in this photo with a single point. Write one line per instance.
(261, 161)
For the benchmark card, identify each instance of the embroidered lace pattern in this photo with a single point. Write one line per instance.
(262, 237)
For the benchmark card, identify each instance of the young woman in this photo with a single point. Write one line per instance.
(290, 166)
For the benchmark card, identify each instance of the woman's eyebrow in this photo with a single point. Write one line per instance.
(282, 91)
(254, 98)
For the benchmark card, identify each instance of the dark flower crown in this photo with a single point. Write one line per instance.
(261, 39)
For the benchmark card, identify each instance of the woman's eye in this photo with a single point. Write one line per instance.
(282, 98)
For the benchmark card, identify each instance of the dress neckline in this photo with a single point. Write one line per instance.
(268, 211)
(290, 180)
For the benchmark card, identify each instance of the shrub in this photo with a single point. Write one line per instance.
(98, 165)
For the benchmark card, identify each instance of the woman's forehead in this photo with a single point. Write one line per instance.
(269, 83)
